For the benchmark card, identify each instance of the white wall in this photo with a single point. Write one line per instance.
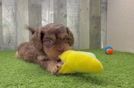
(120, 24)
(8, 24)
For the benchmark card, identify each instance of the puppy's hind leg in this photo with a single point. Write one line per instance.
(17, 54)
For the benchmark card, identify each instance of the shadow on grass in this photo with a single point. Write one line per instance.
(88, 78)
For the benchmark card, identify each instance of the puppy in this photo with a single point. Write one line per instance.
(46, 44)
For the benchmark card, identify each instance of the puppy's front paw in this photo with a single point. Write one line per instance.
(59, 64)
(53, 67)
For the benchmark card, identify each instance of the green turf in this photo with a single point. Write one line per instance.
(118, 73)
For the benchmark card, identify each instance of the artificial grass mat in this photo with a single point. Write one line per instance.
(118, 73)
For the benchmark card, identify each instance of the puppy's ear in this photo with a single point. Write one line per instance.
(37, 39)
(32, 30)
(71, 41)
(40, 36)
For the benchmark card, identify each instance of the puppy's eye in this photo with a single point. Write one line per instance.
(66, 39)
(48, 42)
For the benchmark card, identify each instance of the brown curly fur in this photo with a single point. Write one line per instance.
(45, 45)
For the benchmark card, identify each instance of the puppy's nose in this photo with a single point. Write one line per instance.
(61, 50)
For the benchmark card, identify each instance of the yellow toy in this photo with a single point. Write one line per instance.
(79, 61)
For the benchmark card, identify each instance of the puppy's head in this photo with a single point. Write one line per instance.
(56, 38)
(52, 39)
